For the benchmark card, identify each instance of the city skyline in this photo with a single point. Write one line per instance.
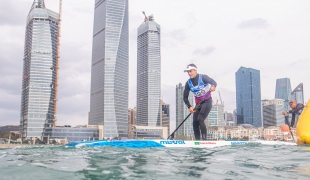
(254, 37)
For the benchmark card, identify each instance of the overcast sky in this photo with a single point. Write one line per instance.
(218, 36)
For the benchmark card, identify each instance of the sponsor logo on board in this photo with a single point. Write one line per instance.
(204, 142)
(208, 142)
(173, 142)
(243, 142)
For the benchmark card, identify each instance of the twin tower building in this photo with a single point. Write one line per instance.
(110, 65)
(109, 70)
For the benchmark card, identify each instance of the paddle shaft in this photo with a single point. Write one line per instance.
(196, 107)
(172, 134)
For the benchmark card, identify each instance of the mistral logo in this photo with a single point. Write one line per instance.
(172, 142)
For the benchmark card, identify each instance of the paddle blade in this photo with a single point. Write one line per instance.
(171, 136)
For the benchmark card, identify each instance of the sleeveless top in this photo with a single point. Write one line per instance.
(300, 110)
(201, 91)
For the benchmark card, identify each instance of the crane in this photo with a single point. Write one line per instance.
(57, 62)
(145, 17)
(221, 99)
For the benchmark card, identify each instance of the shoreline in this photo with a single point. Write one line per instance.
(3, 146)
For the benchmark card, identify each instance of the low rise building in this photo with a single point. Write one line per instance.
(149, 132)
(72, 134)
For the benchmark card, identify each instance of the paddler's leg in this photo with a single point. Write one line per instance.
(196, 125)
(204, 112)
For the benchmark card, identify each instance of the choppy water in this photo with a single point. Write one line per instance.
(236, 162)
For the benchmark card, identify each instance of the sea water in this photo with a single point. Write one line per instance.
(228, 162)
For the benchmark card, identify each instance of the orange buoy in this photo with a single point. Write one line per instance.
(284, 128)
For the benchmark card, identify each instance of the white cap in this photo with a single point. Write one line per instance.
(190, 67)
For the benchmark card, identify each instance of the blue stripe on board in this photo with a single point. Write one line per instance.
(118, 143)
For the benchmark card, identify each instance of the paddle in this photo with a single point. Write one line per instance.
(196, 107)
(286, 119)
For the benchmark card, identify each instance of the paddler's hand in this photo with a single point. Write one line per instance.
(212, 88)
(191, 110)
(284, 112)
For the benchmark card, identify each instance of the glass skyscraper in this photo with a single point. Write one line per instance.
(298, 94)
(149, 74)
(166, 115)
(248, 96)
(109, 69)
(283, 91)
(272, 112)
(39, 71)
(182, 112)
(216, 116)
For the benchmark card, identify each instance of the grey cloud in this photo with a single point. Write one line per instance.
(302, 61)
(9, 117)
(14, 14)
(177, 34)
(84, 11)
(74, 79)
(205, 51)
(257, 23)
(191, 18)
(11, 68)
(77, 104)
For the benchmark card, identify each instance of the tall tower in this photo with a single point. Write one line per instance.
(38, 99)
(149, 74)
(182, 111)
(248, 96)
(298, 93)
(109, 69)
(283, 91)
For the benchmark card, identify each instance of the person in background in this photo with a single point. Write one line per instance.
(296, 110)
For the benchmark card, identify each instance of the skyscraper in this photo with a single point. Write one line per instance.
(216, 116)
(166, 115)
(248, 96)
(272, 112)
(182, 111)
(283, 91)
(149, 74)
(109, 71)
(39, 71)
(298, 93)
